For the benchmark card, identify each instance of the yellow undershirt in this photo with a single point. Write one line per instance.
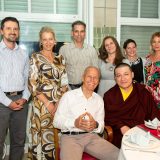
(124, 93)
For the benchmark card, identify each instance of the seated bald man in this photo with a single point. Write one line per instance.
(127, 104)
(80, 116)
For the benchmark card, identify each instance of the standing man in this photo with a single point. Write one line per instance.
(14, 92)
(78, 55)
(80, 116)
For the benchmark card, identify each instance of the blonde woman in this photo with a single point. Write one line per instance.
(152, 68)
(47, 82)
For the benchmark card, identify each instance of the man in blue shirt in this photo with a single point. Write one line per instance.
(14, 64)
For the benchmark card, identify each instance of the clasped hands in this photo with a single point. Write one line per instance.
(18, 104)
(85, 122)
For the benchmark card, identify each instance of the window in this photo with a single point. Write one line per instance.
(59, 14)
(139, 8)
(141, 34)
(138, 19)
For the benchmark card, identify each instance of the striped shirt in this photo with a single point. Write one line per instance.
(14, 66)
(77, 59)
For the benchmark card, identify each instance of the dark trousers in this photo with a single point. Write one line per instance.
(15, 121)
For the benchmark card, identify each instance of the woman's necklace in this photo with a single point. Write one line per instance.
(111, 68)
(112, 65)
(136, 61)
(48, 56)
(155, 57)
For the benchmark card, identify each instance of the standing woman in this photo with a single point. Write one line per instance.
(152, 68)
(47, 82)
(137, 63)
(109, 56)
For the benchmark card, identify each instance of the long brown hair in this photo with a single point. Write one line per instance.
(103, 54)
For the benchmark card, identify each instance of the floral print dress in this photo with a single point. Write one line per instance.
(152, 75)
(47, 78)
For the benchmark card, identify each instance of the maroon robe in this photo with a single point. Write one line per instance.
(139, 106)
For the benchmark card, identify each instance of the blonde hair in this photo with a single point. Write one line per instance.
(156, 34)
(45, 29)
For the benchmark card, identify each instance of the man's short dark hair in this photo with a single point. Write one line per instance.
(122, 65)
(13, 19)
(78, 23)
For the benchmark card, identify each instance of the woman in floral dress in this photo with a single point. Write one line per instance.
(152, 68)
(47, 82)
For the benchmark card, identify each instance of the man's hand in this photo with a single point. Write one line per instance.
(21, 101)
(124, 129)
(85, 122)
(15, 106)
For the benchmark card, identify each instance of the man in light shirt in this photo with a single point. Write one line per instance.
(13, 89)
(78, 55)
(80, 116)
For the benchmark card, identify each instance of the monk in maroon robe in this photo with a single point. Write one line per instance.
(122, 114)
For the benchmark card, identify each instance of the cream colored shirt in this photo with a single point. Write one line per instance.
(77, 59)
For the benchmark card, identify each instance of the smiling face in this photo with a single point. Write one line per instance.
(91, 79)
(78, 33)
(123, 77)
(47, 40)
(156, 44)
(110, 46)
(131, 50)
(10, 31)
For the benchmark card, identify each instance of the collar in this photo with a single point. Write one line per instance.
(3, 45)
(73, 45)
(130, 90)
(82, 95)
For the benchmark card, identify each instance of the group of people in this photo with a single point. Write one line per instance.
(62, 90)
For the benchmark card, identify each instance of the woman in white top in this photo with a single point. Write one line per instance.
(109, 56)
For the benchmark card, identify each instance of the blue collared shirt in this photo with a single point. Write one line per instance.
(14, 67)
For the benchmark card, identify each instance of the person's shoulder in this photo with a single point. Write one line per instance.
(125, 60)
(71, 93)
(144, 60)
(88, 46)
(111, 90)
(141, 88)
(1, 43)
(97, 97)
(35, 54)
(59, 56)
(100, 62)
(66, 45)
(65, 49)
(23, 51)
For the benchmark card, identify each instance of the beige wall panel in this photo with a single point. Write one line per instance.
(99, 17)
(111, 3)
(111, 18)
(99, 3)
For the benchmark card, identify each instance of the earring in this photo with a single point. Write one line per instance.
(40, 46)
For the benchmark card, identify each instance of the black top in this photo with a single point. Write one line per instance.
(137, 67)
